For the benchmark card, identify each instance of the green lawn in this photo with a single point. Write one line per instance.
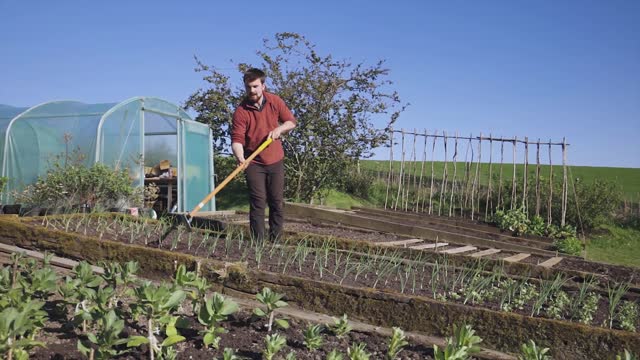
(618, 245)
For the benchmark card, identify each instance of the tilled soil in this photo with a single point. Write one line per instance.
(245, 334)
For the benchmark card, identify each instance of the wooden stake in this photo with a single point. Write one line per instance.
(433, 151)
(389, 178)
(424, 159)
(474, 187)
(411, 172)
(525, 202)
(443, 188)
(467, 174)
(453, 181)
(538, 178)
(401, 178)
(500, 202)
(489, 187)
(514, 193)
(549, 216)
(565, 187)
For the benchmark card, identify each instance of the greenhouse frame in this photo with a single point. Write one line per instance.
(136, 134)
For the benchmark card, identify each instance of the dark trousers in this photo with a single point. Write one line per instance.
(266, 186)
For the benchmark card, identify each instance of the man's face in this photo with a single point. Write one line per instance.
(254, 90)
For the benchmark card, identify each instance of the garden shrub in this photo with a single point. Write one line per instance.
(223, 166)
(3, 183)
(514, 220)
(76, 184)
(570, 245)
(358, 184)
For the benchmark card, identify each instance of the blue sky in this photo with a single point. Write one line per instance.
(542, 69)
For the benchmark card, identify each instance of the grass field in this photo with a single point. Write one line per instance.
(616, 245)
(627, 178)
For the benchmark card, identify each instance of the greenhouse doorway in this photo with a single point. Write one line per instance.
(161, 145)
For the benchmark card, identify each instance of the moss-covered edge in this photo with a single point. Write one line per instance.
(501, 331)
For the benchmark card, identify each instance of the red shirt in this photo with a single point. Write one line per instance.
(251, 126)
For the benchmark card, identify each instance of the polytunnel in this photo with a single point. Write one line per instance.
(136, 134)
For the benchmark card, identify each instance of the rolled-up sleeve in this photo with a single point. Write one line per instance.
(238, 128)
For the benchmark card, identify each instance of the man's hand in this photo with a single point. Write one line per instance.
(285, 127)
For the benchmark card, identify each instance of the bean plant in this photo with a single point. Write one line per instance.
(358, 352)
(334, 355)
(531, 351)
(18, 327)
(461, 346)
(273, 344)
(105, 342)
(341, 326)
(627, 355)
(397, 342)
(157, 304)
(313, 337)
(213, 311)
(272, 301)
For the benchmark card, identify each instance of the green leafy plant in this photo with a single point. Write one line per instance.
(461, 346)
(191, 280)
(215, 310)
(627, 355)
(628, 315)
(272, 301)
(615, 293)
(397, 342)
(157, 304)
(531, 351)
(334, 355)
(118, 277)
(358, 352)
(570, 245)
(18, 327)
(340, 326)
(558, 304)
(3, 182)
(273, 344)
(514, 220)
(105, 342)
(313, 336)
(588, 308)
(537, 226)
(229, 354)
(80, 290)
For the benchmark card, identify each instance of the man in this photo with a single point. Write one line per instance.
(262, 115)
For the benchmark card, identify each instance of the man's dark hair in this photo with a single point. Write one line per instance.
(253, 74)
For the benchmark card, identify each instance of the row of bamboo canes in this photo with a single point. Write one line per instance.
(416, 191)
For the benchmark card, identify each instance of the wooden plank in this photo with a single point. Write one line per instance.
(517, 257)
(55, 260)
(403, 243)
(428, 246)
(460, 249)
(485, 252)
(549, 263)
